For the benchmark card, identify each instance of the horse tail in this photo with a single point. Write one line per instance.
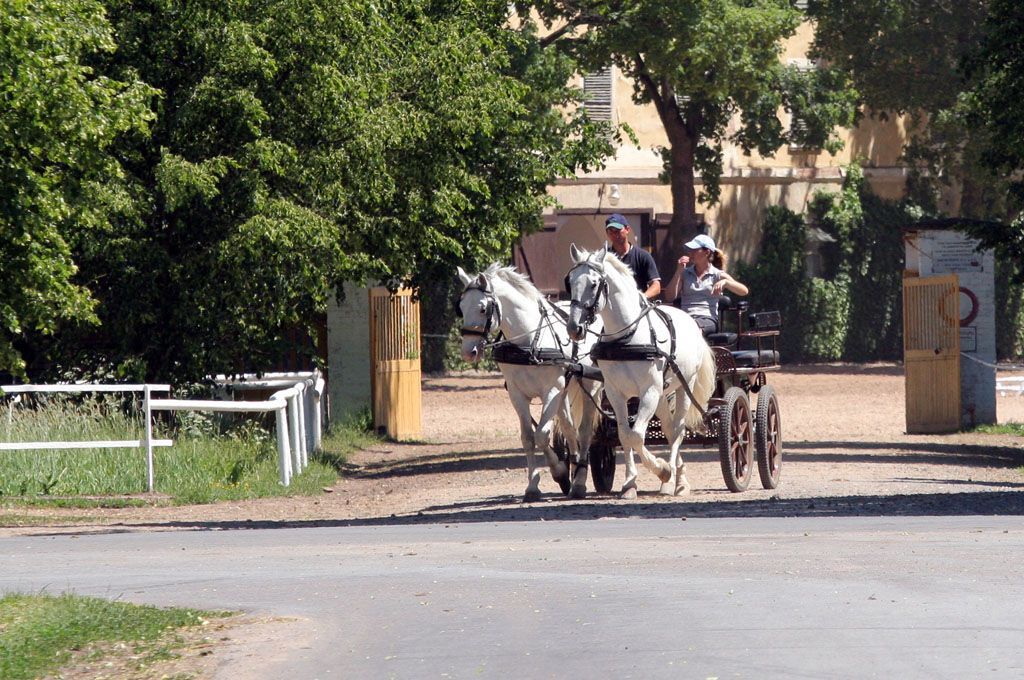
(703, 387)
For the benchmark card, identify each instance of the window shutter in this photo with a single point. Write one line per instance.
(799, 125)
(597, 94)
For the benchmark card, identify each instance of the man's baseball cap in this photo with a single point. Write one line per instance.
(616, 222)
(701, 241)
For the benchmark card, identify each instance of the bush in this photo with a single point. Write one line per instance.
(854, 311)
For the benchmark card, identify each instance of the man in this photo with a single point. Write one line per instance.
(645, 271)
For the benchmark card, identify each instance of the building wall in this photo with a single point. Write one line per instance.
(750, 184)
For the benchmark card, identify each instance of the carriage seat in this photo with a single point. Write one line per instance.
(721, 339)
(753, 358)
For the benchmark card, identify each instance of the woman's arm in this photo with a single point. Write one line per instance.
(726, 282)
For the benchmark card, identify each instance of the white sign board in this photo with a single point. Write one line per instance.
(941, 251)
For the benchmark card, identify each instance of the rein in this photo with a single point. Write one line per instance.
(506, 350)
(618, 348)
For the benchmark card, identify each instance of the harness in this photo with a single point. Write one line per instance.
(508, 352)
(619, 348)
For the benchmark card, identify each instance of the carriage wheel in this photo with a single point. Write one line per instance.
(768, 437)
(562, 451)
(735, 440)
(602, 463)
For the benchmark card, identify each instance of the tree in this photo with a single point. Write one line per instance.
(954, 69)
(303, 143)
(992, 105)
(702, 63)
(58, 118)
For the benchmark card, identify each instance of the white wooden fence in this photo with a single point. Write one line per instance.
(297, 406)
(1008, 386)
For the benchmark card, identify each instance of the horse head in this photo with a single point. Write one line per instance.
(480, 314)
(587, 289)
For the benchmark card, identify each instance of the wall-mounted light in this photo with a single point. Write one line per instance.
(614, 195)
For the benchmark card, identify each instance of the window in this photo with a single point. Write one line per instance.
(597, 94)
(797, 124)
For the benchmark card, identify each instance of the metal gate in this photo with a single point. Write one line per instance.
(395, 363)
(931, 353)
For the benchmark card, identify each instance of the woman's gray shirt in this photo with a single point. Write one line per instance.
(695, 296)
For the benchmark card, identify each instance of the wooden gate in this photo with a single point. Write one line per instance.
(931, 353)
(395, 363)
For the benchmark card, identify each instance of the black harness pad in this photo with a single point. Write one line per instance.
(510, 353)
(618, 351)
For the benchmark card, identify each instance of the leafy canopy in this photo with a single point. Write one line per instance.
(302, 143)
(58, 118)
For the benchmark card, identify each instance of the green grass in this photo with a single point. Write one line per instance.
(39, 633)
(1003, 428)
(213, 459)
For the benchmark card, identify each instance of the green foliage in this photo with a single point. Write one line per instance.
(38, 633)
(854, 311)
(58, 119)
(212, 458)
(299, 144)
(700, 63)
(1010, 303)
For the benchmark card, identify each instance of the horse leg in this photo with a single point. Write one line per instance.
(627, 440)
(571, 408)
(590, 396)
(678, 432)
(675, 431)
(545, 426)
(649, 402)
(521, 403)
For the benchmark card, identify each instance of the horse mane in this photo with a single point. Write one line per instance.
(517, 280)
(612, 261)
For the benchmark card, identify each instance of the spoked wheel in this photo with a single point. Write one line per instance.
(735, 440)
(768, 437)
(602, 464)
(562, 451)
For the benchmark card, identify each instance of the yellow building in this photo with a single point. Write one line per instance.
(629, 183)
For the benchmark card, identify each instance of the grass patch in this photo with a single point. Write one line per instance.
(1016, 429)
(214, 458)
(41, 633)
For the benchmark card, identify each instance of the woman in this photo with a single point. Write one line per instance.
(701, 281)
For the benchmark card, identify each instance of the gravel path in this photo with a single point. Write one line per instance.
(845, 453)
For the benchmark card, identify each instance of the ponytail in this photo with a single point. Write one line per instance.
(717, 259)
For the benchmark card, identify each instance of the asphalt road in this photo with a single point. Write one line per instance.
(851, 597)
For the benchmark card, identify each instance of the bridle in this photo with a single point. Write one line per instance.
(492, 312)
(589, 311)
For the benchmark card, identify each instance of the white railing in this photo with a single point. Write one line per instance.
(297, 407)
(1008, 386)
(148, 442)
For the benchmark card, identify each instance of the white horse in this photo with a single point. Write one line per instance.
(603, 286)
(532, 361)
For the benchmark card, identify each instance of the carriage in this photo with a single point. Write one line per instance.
(700, 390)
(743, 357)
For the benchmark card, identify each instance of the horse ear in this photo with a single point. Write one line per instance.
(574, 252)
(464, 277)
(603, 253)
(481, 281)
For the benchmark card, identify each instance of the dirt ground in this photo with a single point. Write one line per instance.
(845, 452)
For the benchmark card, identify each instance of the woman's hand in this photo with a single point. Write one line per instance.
(719, 287)
(684, 260)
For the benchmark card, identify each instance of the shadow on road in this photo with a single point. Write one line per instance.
(554, 507)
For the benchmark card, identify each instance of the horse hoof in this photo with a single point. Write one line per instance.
(628, 494)
(683, 488)
(578, 492)
(666, 489)
(531, 496)
(665, 474)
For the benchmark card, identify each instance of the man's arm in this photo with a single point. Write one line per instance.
(653, 289)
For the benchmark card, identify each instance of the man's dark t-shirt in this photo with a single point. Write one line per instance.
(642, 264)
